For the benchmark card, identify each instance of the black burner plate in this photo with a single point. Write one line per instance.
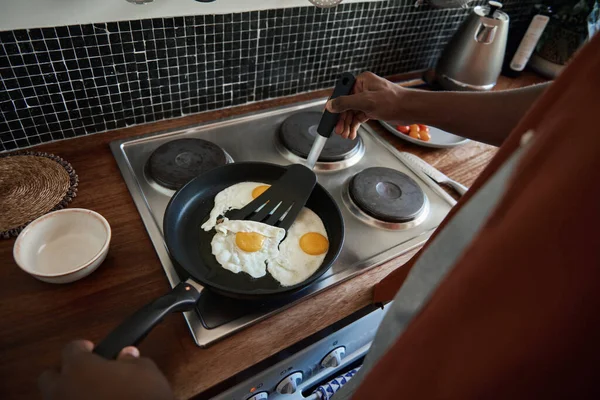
(298, 132)
(175, 163)
(216, 310)
(387, 194)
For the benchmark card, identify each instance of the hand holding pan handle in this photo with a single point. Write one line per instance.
(183, 297)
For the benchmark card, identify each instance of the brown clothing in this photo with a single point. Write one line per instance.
(519, 314)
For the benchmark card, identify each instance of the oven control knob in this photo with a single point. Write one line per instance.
(289, 384)
(334, 357)
(260, 396)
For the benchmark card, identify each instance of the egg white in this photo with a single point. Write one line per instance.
(234, 197)
(236, 260)
(292, 265)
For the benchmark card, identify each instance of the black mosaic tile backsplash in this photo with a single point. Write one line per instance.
(75, 80)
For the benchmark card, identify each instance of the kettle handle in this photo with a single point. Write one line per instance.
(485, 33)
(494, 5)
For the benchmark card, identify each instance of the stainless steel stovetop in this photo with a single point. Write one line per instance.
(252, 137)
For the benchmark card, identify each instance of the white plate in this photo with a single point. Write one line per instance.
(439, 138)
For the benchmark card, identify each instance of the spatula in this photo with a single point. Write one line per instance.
(286, 197)
(289, 193)
(343, 87)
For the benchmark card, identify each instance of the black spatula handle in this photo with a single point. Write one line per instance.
(183, 297)
(343, 87)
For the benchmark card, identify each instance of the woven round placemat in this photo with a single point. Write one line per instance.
(31, 185)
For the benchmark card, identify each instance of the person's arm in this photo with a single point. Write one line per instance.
(487, 117)
(483, 116)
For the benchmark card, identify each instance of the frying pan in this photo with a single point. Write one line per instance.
(190, 250)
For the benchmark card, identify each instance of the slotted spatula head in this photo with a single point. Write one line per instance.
(289, 193)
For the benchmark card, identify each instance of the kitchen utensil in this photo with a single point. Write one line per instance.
(416, 163)
(343, 87)
(288, 195)
(517, 60)
(439, 138)
(190, 249)
(325, 3)
(473, 58)
(31, 185)
(63, 246)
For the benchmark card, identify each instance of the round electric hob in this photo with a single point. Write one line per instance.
(298, 133)
(387, 195)
(175, 163)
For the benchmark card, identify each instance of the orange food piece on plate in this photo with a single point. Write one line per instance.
(425, 135)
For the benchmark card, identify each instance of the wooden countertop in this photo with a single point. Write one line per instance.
(39, 318)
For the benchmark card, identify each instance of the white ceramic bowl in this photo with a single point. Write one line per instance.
(63, 246)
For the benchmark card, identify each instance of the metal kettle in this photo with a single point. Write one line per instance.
(472, 60)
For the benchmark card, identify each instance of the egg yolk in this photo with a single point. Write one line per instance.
(259, 190)
(249, 241)
(314, 243)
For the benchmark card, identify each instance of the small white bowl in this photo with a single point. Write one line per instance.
(63, 246)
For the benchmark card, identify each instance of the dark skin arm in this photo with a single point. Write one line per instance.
(84, 375)
(487, 117)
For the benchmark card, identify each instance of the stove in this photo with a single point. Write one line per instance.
(387, 208)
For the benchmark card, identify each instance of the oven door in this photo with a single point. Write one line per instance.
(309, 366)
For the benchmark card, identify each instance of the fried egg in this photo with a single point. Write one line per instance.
(245, 246)
(303, 250)
(234, 197)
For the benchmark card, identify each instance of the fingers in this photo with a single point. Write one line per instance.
(75, 349)
(72, 354)
(358, 119)
(129, 353)
(354, 102)
(339, 127)
(347, 122)
(48, 380)
(47, 383)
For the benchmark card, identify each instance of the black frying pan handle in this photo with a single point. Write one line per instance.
(183, 297)
(343, 87)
